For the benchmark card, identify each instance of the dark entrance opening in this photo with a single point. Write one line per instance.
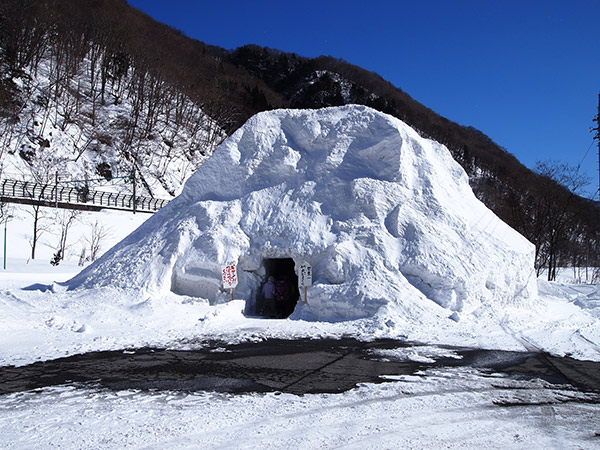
(282, 271)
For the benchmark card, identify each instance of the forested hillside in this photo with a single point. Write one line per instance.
(96, 89)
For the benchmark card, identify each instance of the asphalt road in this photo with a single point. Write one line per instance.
(296, 366)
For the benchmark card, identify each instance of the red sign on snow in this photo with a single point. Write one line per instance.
(229, 276)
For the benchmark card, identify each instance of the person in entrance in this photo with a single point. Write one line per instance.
(268, 292)
(282, 294)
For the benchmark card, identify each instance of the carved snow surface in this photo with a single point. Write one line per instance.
(385, 217)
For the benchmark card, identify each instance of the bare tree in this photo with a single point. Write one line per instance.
(24, 32)
(99, 234)
(559, 210)
(43, 166)
(549, 213)
(41, 225)
(64, 219)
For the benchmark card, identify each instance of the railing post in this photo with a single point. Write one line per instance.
(134, 193)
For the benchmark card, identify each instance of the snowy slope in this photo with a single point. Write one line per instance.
(386, 218)
(69, 134)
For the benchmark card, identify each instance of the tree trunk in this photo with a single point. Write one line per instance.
(34, 240)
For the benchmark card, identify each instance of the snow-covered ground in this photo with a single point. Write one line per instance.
(450, 408)
(439, 409)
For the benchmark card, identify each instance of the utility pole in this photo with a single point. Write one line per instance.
(598, 139)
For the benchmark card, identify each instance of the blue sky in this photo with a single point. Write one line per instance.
(526, 73)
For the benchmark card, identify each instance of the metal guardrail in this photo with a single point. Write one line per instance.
(77, 196)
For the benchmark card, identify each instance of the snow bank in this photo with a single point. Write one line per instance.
(385, 218)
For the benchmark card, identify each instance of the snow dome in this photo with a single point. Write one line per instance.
(385, 218)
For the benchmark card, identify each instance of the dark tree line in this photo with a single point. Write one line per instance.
(562, 225)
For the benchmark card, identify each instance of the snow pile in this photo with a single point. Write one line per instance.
(385, 218)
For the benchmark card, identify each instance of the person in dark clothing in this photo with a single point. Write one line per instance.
(281, 297)
(268, 292)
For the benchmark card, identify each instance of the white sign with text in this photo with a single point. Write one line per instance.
(305, 275)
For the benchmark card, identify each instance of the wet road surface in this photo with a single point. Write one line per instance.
(293, 366)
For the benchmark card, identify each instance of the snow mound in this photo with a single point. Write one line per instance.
(385, 217)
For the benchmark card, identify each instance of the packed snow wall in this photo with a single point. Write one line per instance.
(384, 216)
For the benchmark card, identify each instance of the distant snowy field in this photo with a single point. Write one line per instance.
(452, 408)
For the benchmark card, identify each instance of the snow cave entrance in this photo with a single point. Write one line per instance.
(282, 270)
